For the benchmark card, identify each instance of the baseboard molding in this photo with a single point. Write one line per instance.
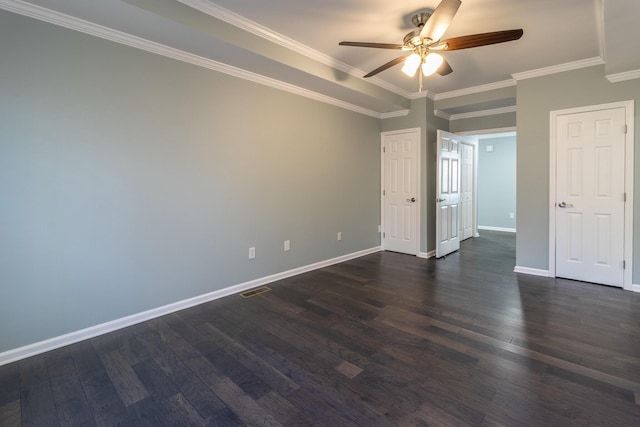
(635, 288)
(429, 254)
(123, 322)
(488, 227)
(532, 271)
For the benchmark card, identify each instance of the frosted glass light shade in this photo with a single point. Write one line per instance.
(432, 62)
(411, 64)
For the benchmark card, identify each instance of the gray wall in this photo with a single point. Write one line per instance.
(129, 181)
(537, 97)
(497, 182)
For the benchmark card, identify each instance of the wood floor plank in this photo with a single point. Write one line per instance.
(124, 379)
(11, 414)
(381, 340)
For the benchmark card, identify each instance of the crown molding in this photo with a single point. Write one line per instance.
(484, 113)
(569, 66)
(475, 89)
(80, 25)
(481, 113)
(442, 114)
(423, 94)
(621, 77)
(391, 114)
(254, 28)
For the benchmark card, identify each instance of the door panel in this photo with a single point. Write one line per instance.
(590, 160)
(448, 196)
(400, 192)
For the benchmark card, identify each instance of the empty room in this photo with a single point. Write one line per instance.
(337, 213)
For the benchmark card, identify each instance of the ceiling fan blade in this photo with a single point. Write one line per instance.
(388, 65)
(445, 68)
(439, 20)
(475, 40)
(374, 45)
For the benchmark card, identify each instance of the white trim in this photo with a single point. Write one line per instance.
(254, 28)
(474, 89)
(490, 228)
(442, 114)
(635, 288)
(399, 113)
(484, 132)
(123, 322)
(427, 255)
(418, 186)
(80, 25)
(575, 65)
(621, 77)
(629, 107)
(484, 113)
(532, 271)
(424, 94)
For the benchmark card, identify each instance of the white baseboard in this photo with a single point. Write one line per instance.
(635, 288)
(429, 254)
(532, 271)
(488, 227)
(93, 331)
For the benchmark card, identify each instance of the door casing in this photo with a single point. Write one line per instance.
(628, 184)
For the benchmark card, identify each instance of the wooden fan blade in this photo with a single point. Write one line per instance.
(388, 65)
(374, 45)
(444, 69)
(439, 20)
(475, 40)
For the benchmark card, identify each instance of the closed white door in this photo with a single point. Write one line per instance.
(467, 210)
(400, 191)
(447, 193)
(590, 162)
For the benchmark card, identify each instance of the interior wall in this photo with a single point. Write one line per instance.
(537, 97)
(130, 181)
(497, 182)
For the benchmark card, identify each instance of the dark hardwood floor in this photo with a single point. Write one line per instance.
(386, 339)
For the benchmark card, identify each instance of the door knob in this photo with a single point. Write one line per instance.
(413, 199)
(565, 205)
(440, 200)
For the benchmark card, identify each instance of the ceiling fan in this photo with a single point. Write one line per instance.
(421, 46)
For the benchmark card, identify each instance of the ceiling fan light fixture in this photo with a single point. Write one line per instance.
(432, 62)
(411, 64)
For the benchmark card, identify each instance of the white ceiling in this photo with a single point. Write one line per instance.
(301, 45)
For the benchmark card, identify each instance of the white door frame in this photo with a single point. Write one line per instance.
(418, 184)
(628, 186)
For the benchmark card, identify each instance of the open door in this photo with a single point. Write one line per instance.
(448, 193)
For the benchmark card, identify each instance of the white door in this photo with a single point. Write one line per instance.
(447, 193)
(589, 208)
(401, 154)
(467, 216)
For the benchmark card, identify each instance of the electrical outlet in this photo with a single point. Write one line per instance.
(512, 215)
(252, 252)
(287, 245)
(339, 235)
